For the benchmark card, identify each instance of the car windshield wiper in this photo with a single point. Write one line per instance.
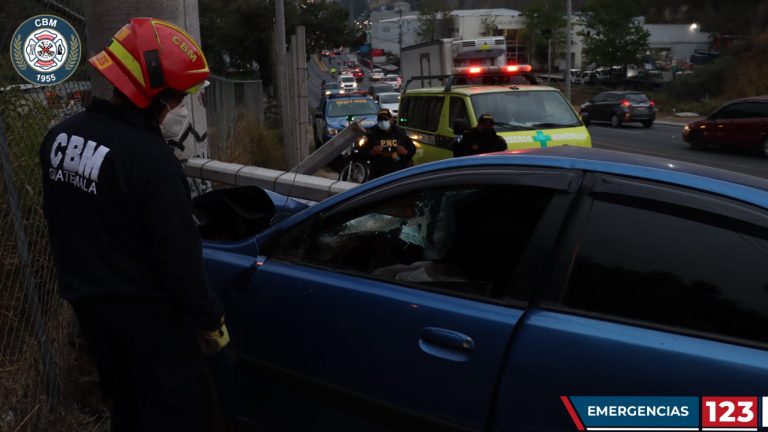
(554, 125)
(518, 126)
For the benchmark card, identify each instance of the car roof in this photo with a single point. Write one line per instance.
(389, 93)
(474, 89)
(732, 184)
(762, 98)
(623, 92)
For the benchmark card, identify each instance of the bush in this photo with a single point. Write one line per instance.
(706, 83)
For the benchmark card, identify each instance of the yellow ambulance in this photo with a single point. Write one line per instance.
(525, 115)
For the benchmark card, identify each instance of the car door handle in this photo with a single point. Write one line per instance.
(446, 344)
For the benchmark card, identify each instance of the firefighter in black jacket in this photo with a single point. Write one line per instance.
(127, 252)
(480, 139)
(387, 146)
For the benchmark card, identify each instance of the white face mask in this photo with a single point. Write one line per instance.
(384, 125)
(175, 123)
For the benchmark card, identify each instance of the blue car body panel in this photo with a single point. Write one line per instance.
(570, 355)
(457, 362)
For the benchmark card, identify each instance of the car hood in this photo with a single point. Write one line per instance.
(342, 122)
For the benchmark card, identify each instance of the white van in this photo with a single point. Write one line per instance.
(348, 83)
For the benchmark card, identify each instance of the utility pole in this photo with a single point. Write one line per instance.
(568, 51)
(400, 32)
(281, 79)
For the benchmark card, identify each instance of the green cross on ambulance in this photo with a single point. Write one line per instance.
(525, 115)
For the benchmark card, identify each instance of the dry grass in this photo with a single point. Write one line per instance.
(254, 145)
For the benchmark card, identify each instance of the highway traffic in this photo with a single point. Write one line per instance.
(664, 139)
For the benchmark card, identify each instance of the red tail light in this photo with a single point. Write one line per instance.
(653, 105)
(625, 103)
(475, 70)
(517, 68)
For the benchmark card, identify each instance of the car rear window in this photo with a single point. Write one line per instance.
(636, 98)
(347, 79)
(389, 98)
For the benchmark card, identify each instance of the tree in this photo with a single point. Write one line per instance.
(611, 34)
(238, 34)
(327, 24)
(545, 20)
(488, 26)
(435, 20)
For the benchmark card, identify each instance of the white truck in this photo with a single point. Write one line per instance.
(440, 57)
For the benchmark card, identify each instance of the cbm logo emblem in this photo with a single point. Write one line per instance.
(45, 50)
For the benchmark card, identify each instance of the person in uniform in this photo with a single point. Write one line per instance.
(388, 148)
(127, 251)
(480, 139)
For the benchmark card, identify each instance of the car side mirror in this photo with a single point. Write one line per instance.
(460, 127)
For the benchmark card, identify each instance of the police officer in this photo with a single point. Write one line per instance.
(480, 139)
(127, 252)
(387, 147)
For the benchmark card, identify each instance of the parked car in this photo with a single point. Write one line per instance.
(389, 100)
(335, 111)
(740, 123)
(619, 107)
(376, 74)
(472, 293)
(394, 80)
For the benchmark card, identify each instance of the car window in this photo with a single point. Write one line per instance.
(524, 108)
(672, 266)
(389, 98)
(332, 86)
(458, 111)
(347, 79)
(600, 97)
(464, 239)
(423, 112)
(345, 107)
(744, 110)
(636, 98)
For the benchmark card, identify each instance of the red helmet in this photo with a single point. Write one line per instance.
(150, 55)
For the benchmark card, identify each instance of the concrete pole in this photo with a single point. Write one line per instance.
(290, 145)
(302, 93)
(568, 51)
(281, 78)
(105, 17)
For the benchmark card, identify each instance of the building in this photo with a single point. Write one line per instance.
(390, 34)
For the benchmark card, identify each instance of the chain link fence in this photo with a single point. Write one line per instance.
(46, 379)
(42, 369)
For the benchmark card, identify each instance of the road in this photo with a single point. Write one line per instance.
(666, 141)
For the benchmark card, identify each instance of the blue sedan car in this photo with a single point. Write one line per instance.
(474, 293)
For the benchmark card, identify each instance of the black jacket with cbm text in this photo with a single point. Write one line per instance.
(119, 213)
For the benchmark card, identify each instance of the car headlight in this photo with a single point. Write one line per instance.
(686, 128)
(332, 131)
